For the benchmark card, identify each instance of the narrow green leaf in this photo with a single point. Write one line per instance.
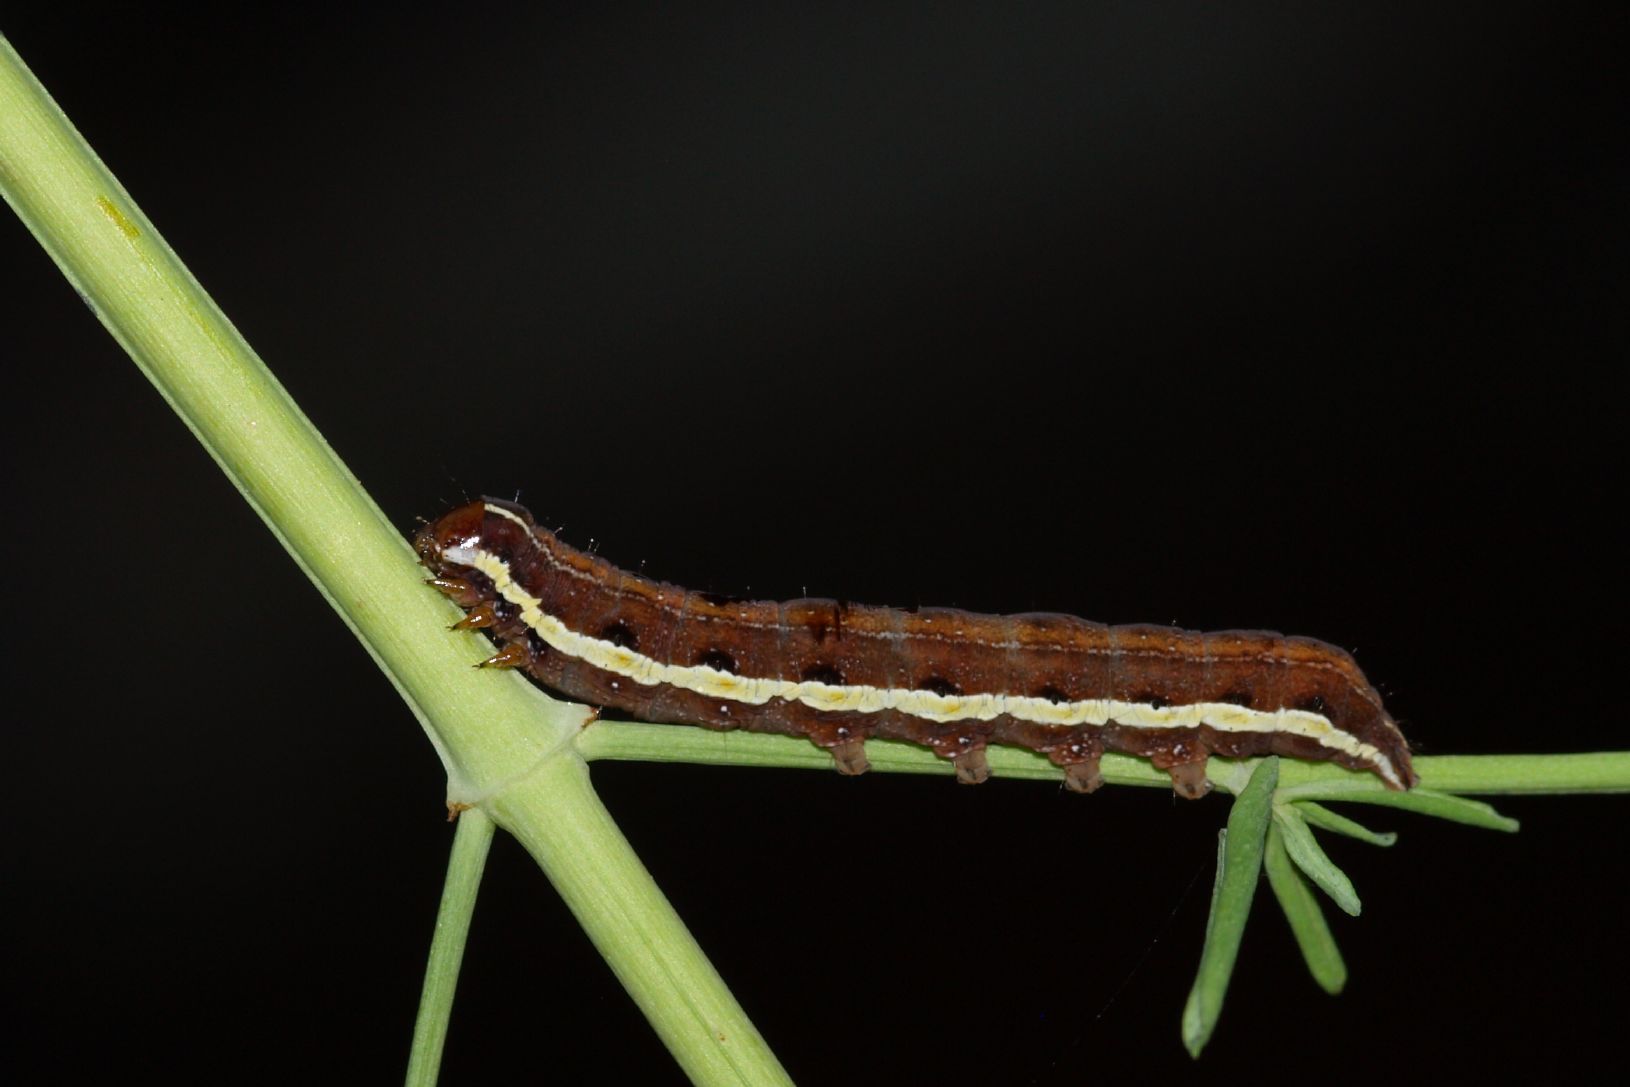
(1456, 809)
(1307, 923)
(1322, 817)
(1239, 865)
(1305, 851)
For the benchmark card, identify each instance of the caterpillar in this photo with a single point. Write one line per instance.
(954, 681)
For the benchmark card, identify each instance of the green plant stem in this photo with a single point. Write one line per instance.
(471, 838)
(486, 731)
(623, 740)
(1586, 772)
(1602, 772)
(506, 747)
(492, 732)
(558, 817)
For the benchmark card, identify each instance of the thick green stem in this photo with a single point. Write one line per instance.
(506, 747)
(558, 817)
(486, 730)
(492, 732)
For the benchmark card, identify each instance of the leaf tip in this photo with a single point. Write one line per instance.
(1332, 981)
(1196, 1028)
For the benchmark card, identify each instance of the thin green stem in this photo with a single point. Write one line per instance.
(506, 747)
(471, 839)
(620, 740)
(1603, 772)
(1585, 772)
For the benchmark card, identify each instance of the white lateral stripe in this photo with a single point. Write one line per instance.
(860, 698)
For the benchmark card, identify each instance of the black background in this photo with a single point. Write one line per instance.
(1302, 319)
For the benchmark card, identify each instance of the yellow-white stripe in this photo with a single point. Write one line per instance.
(861, 698)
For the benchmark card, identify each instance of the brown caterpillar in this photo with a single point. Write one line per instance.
(952, 680)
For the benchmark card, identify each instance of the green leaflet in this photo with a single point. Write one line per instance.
(1310, 858)
(1307, 922)
(1439, 805)
(1239, 862)
(1322, 817)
